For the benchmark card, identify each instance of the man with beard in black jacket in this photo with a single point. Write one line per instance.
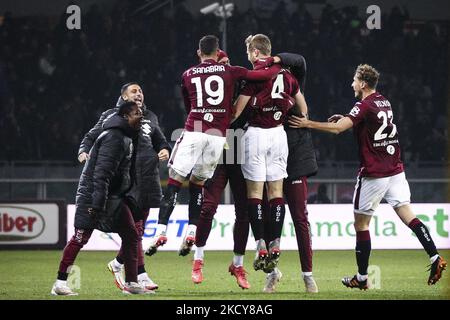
(151, 148)
(102, 202)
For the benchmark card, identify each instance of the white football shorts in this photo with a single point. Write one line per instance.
(197, 153)
(264, 154)
(370, 191)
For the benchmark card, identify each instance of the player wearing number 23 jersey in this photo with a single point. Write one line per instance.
(381, 173)
(377, 136)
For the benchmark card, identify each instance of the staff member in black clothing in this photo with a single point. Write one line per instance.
(102, 202)
(151, 148)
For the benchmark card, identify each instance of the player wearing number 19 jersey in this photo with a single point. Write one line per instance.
(208, 90)
(381, 174)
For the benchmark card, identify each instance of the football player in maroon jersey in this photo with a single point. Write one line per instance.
(381, 173)
(208, 90)
(230, 171)
(265, 149)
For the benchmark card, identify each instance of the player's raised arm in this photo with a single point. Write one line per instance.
(342, 125)
(262, 74)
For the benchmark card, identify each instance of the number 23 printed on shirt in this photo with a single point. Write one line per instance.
(379, 135)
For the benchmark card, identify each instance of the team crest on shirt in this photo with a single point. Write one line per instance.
(390, 149)
(208, 117)
(277, 115)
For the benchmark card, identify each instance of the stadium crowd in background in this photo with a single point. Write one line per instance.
(66, 76)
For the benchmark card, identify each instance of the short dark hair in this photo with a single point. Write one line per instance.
(126, 108)
(368, 74)
(126, 85)
(208, 45)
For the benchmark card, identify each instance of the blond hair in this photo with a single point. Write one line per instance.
(260, 42)
(368, 74)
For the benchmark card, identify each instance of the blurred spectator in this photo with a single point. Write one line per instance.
(49, 72)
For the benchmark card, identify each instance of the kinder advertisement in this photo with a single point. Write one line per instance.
(331, 228)
(32, 224)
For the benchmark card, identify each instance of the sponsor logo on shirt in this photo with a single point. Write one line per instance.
(354, 112)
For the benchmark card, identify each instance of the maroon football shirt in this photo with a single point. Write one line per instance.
(377, 136)
(208, 90)
(269, 115)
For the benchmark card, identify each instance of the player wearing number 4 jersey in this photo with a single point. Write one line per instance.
(208, 91)
(381, 172)
(265, 149)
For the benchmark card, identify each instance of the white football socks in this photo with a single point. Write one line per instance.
(61, 283)
(199, 254)
(191, 230)
(433, 258)
(117, 264)
(362, 277)
(238, 260)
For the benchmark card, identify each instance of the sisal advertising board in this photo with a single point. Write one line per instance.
(33, 225)
(331, 228)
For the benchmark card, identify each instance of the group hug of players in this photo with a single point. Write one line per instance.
(275, 156)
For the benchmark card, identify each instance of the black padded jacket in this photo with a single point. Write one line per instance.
(151, 140)
(106, 175)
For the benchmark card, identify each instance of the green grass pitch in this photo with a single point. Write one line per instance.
(30, 275)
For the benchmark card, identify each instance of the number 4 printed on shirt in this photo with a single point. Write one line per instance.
(277, 87)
